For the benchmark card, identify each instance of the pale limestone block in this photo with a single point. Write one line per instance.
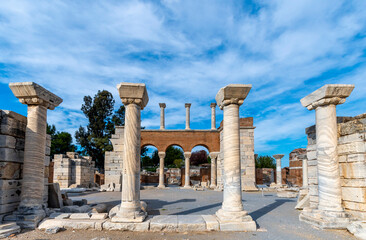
(357, 214)
(191, 223)
(9, 196)
(238, 226)
(99, 216)
(356, 157)
(311, 147)
(60, 215)
(9, 207)
(136, 227)
(8, 229)
(311, 155)
(11, 155)
(67, 224)
(355, 206)
(10, 170)
(10, 184)
(7, 141)
(353, 182)
(167, 223)
(358, 229)
(354, 194)
(312, 172)
(355, 137)
(80, 216)
(211, 222)
(352, 148)
(353, 170)
(342, 158)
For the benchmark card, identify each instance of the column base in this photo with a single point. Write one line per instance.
(325, 219)
(250, 188)
(131, 214)
(162, 187)
(212, 186)
(303, 200)
(235, 221)
(186, 187)
(27, 217)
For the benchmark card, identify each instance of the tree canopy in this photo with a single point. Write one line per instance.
(199, 157)
(61, 142)
(94, 139)
(265, 162)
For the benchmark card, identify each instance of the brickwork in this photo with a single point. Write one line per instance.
(295, 159)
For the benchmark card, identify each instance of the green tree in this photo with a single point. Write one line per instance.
(172, 153)
(61, 142)
(265, 162)
(94, 139)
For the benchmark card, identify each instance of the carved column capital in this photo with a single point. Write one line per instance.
(161, 154)
(214, 154)
(133, 93)
(232, 94)
(187, 105)
(162, 105)
(212, 105)
(187, 154)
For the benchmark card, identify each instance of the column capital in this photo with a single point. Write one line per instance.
(162, 105)
(161, 154)
(134, 93)
(214, 154)
(232, 94)
(278, 156)
(187, 105)
(31, 93)
(212, 105)
(328, 94)
(187, 154)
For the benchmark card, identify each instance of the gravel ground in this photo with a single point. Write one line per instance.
(276, 218)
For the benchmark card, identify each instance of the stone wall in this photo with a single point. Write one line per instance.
(73, 170)
(352, 159)
(12, 137)
(296, 158)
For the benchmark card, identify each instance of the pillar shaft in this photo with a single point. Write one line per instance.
(187, 180)
(232, 180)
(161, 170)
(328, 167)
(278, 172)
(34, 154)
(213, 170)
(188, 106)
(305, 173)
(131, 163)
(213, 116)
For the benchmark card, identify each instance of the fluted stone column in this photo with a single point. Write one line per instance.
(278, 158)
(134, 97)
(188, 106)
(187, 180)
(161, 170)
(232, 214)
(213, 116)
(162, 115)
(305, 173)
(38, 100)
(213, 157)
(330, 213)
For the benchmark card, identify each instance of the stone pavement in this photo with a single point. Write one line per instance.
(275, 217)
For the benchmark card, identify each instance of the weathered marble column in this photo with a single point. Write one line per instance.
(187, 180)
(229, 99)
(134, 97)
(324, 101)
(38, 100)
(188, 106)
(162, 115)
(278, 158)
(305, 173)
(213, 157)
(161, 170)
(213, 116)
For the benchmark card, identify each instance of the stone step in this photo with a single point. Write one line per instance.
(8, 229)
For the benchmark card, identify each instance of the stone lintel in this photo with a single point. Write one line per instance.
(133, 93)
(278, 156)
(328, 94)
(232, 94)
(162, 105)
(31, 93)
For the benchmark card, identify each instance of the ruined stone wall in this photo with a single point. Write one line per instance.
(12, 140)
(296, 158)
(72, 170)
(113, 163)
(352, 159)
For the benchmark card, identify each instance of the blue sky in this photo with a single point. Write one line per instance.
(185, 51)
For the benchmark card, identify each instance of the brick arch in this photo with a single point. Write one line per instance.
(174, 144)
(201, 144)
(186, 139)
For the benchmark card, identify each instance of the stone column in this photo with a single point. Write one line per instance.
(161, 170)
(38, 100)
(134, 97)
(232, 214)
(278, 158)
(324, 101)
(213, 157)
(162, 116)
(187, 181)
(188, 106)
(305, 173)
(213, 116)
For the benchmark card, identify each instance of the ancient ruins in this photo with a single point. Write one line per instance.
(328, 177)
